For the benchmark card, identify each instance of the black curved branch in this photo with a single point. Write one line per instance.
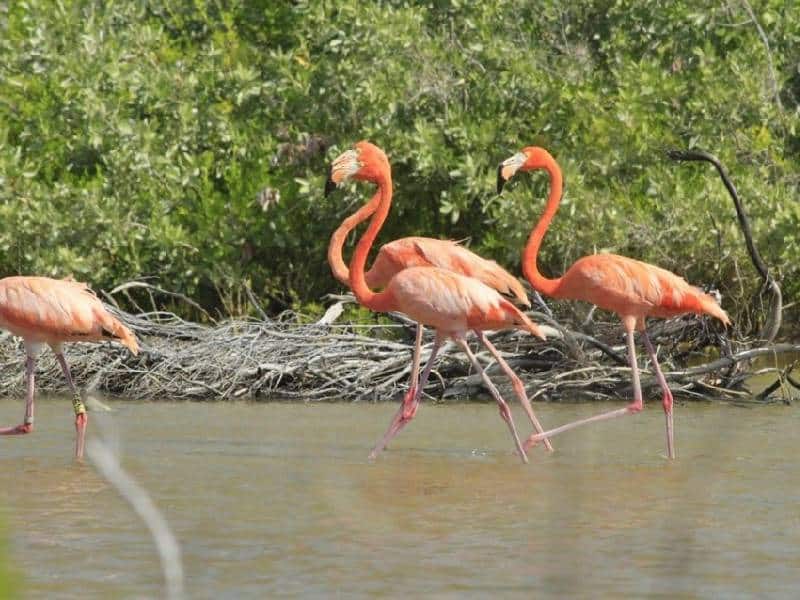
(773, 323)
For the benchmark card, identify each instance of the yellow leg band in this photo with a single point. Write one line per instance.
(77, 405)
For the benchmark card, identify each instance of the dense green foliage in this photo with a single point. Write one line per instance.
(137, 138)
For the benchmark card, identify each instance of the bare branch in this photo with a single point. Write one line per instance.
(762, 34)
(773, 322)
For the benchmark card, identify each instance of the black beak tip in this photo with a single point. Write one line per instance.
(329, 186)
(500, 180)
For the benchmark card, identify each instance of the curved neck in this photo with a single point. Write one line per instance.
(335, 259)
(358, 283)
(539, 282)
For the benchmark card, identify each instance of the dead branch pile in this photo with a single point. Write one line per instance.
(285, 358)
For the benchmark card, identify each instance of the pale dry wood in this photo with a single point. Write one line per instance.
(290, 358)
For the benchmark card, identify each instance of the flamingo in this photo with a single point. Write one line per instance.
(449, 302)
(42, 311)
(632, 289)
(419, 252)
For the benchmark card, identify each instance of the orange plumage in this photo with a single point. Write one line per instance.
(417, 285)
(420, 252)
(633, 289)
(445, 254)
(453, 303)
(53, 311)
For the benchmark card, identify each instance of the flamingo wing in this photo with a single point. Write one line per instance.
(445, 254)
(452, 302)
(53, 311)
(628, 286)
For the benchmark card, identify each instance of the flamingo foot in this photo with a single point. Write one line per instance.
(505, 414)
(531, 442)
(18, 430)
(635, 407)
(401, 418)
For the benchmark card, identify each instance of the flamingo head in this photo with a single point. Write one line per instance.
(528, 159)
(364, 162)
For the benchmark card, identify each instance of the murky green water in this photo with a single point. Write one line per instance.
(272, 500)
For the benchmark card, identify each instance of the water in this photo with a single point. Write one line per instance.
(279, 500)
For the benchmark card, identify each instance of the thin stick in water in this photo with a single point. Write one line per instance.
(167, 546)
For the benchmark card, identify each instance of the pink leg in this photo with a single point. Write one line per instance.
(413, 387)
(81, 418)
(505, 412)
(27, 425)
(633, 408)
(516, 382)
(666, 399)
(410, 403)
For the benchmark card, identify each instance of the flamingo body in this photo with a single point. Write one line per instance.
(48, 311)
(633, 289)
(52, 311)
(453, 303)
(417, 285)
(413, 252)
(445, 254)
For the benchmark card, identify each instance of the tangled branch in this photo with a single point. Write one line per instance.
(286, 358)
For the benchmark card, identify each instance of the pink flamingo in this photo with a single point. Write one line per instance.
(48, 311)
(449, 302)
(633, 289)
(420, 252)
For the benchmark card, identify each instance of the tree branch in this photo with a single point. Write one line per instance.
(773, 321)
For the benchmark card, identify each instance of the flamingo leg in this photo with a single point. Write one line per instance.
(81, 418)
(505, 412)
(633, 408)
(410, 403)
(413, 380)
(516, 382)
(27, 425)
(666, 399)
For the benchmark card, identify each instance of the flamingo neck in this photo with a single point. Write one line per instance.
(381, 301)
(335, 259)
(539, 282)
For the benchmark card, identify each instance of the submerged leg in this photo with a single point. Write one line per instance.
(410, 403)
(81, 418)
(516, 382)
(666, 399)
(633, 408)
(505, 412)
(27, 425)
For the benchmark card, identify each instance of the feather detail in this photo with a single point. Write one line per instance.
(452, 303)
(52, 311)
(113, 326)
(445, 254)
(631, 287)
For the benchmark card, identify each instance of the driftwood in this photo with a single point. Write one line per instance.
(287, 358)
(773, 320)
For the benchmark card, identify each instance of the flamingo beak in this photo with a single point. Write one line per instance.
(343, 168)
(508, 168)
(330, 184)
